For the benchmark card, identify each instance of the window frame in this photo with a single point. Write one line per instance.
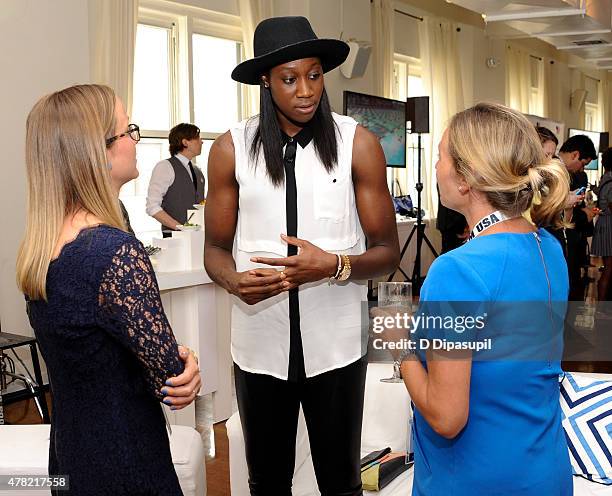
(158, 22)
(536, 93)
(240, 89)
(398, 75)
(413, 68)
(406, 177)
(593, 109)
(184, 21)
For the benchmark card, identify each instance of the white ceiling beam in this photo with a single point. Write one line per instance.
(599, 59)
(519, 16)
(583, 47)
(572, 32)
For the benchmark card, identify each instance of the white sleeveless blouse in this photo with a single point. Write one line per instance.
(330, 316)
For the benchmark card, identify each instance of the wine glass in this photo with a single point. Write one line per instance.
(395, 296)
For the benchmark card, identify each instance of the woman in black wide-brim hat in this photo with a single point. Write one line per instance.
(293, 194)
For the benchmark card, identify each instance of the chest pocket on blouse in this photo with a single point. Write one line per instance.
(332, 194)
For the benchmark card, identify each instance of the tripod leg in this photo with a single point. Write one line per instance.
(417, 278)
(407, 243)
(416, 271)
(402, 271)
(416, 274)
(403, 252)
(433, 250)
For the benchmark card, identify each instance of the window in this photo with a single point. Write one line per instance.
(400, 80)
(407, 78)
(182, 64)
(407, 83)
(216, 99)
(152, 82)
(592, 114)
(149, 151)
(536, 85)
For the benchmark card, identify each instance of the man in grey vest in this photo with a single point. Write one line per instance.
(176, 183)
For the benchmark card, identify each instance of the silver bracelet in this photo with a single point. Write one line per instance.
(339, 269)
(404, 355)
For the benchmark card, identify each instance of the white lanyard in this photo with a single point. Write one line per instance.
(488, 221)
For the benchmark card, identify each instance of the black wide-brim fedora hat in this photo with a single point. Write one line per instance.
(282, 39)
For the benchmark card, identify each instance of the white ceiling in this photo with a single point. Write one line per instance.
(582, 27)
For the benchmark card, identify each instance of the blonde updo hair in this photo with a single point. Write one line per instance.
(498, 152)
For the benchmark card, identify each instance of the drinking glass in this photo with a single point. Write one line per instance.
(396, 297)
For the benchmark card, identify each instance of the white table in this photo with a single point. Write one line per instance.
(195, 307)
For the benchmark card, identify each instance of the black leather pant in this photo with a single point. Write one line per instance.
(333, 409)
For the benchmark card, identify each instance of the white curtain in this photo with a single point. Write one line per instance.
(112, 38)
(438, 41)
(382, 16)
(518, 79)
(252, 12)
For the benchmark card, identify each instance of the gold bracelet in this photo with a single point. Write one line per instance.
(345, 273)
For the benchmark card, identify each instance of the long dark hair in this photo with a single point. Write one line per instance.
(269, 136)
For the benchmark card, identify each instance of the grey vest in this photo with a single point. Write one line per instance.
(181, 195)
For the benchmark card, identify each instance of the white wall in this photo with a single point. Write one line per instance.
(489, 83)
(44, 48)
(331, 19)
(351, 18)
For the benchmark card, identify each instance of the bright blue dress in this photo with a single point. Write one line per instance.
(109, 349)
(513, 443)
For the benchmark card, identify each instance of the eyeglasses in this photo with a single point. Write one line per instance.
(133, 131)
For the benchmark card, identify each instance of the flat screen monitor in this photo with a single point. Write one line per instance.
(600, 140)
(386, 118)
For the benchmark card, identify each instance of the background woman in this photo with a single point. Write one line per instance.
(602, 236)
(549, 141)
(94, 304)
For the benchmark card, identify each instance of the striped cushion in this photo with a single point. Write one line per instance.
(587, 420)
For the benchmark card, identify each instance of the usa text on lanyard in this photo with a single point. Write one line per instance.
(488, 221)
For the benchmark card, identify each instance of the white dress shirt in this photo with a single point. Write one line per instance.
(331, 316)
(162, 178)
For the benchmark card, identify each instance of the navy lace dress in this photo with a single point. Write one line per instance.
(109, 350)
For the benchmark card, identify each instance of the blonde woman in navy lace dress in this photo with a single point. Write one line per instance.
(94, 304)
